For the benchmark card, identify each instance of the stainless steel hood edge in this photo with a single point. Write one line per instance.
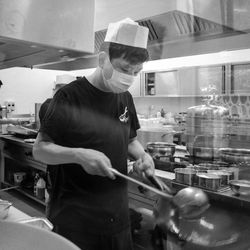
(45, 31)
(167, 32)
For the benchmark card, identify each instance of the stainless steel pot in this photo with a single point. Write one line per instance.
(209, 181)
(159, 149)
(226, 176)
(185, 175)
(235, 155)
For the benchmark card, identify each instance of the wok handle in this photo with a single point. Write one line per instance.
(159, 184)
(155, 181)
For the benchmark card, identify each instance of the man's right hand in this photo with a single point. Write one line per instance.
(94, 162)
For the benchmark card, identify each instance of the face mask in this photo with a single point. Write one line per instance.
(119, 82)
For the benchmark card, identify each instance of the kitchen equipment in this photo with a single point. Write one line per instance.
(207, 129)
(15, 235)
(205, 227)
(185, 175)
(4, 208)
(28, 38)
(189, 201)
(214, 230)
(154, 190)
(213, 166)
(209, 181)
(226, 176)
(235, 155)
(160, 149)
(240, 187)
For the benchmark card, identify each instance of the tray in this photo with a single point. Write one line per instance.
(38, 222)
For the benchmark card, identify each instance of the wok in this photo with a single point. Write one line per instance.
(180, 213)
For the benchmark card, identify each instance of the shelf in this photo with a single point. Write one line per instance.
(32, 163)
(26, 192)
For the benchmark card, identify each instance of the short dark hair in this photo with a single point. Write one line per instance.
(134, 55)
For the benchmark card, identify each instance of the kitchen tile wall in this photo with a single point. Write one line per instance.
(237, 105)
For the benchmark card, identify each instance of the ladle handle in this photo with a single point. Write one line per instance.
(156, 191)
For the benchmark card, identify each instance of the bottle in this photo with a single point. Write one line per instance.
(40, 188)
(36, 178)
(163, 113)
(158, 114)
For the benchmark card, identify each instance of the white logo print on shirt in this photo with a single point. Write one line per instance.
(124, 117)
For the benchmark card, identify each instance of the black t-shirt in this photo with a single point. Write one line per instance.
(81, 115)
(44, 108)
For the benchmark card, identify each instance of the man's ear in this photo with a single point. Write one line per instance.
(101, 58)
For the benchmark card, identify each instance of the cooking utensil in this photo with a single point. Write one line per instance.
(158, 149)
(185, 200)
(181, 214)
(212, 229)
(240, 187)
(185, 175)
(235, 155)
(226, 176)
(156, 191)
(209, 181)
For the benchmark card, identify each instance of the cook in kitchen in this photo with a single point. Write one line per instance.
(90, 128)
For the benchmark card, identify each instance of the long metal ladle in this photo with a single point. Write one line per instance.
(155, 190)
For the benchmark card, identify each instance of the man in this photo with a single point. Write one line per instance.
(90, 128)
(45, 105)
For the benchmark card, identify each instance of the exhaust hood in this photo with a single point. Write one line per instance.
(169, 33)
(43, 31)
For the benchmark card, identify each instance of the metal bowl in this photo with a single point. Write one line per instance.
(240, 187)
(161, 149)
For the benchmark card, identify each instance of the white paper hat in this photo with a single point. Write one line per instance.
(127, 32)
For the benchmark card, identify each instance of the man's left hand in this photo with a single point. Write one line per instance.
(145, 165)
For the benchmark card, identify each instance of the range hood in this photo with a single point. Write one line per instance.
(168, 34)
(43, 31)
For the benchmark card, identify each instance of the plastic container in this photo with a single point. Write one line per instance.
(35, 182)
(40, 188)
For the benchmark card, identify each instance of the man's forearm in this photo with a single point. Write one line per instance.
(135, 149)
(45, 150)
